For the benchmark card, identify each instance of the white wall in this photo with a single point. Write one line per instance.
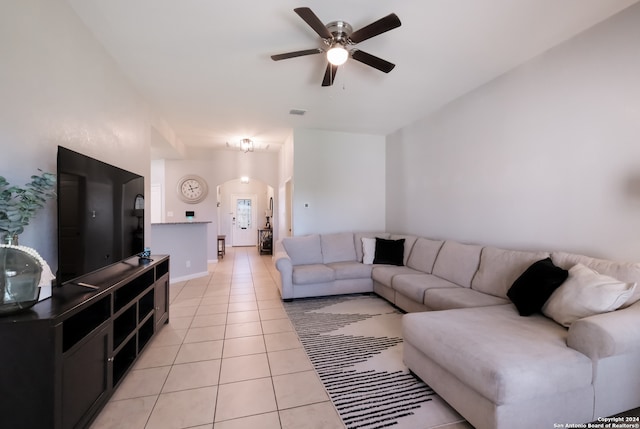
(546, 156)
(286, 159)
(187, 247)
(59, 87)
(156, 196)
(282, 211)
(341, 176)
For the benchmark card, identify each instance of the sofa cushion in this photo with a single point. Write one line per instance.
(504, 357)
(459, 297)
(624, 271)
(413, 286)
(385, 273)
(389, 252)
(368, 250)
(534, 287)
(586, 293)
(315, 273)
(409, 241)
(303, 249)
(424, 253)
(350, 270)
(337, 247)
(457, 262)
(499, 268)
(358, 241)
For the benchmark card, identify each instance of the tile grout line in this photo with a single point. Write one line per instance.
(224, 335)
(241, 275)
(157, 397)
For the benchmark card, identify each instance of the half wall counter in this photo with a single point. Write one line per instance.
(186, 242)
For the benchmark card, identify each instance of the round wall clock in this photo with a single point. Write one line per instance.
(192, 189)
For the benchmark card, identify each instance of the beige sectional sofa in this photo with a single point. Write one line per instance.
(494, 366)
(318, 265)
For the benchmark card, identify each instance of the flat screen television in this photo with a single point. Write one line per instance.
(100, 215)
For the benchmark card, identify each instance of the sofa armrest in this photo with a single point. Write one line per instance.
(285, 267)
(608, 334)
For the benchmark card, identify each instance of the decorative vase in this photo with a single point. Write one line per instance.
(20, 272)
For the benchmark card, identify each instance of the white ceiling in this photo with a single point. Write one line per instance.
(205, 64)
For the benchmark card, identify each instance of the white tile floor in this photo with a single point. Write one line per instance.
(228, 359)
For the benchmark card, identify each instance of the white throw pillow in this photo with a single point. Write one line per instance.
(586, 293)
(368, 250)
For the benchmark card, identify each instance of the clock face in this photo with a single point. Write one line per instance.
(192, 189)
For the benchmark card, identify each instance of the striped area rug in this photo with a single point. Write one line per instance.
(355, 345)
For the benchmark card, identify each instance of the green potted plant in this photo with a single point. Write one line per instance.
(18, 204)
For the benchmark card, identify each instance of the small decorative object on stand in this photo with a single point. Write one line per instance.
(269, 213)
(268, 216)
(22, 270)
(145, 256)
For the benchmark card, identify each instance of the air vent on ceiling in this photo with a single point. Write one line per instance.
(299, 112)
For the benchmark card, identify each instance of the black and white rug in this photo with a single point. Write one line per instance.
(355, 345)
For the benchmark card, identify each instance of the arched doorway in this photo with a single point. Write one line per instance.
(243, 205)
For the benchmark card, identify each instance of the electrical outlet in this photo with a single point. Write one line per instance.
(169, 214)
(188, 264)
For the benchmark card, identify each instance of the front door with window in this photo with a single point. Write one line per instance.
(243, 222)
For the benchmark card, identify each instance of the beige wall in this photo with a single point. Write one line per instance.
(546, 156)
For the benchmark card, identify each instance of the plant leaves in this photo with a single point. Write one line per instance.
(18, 204)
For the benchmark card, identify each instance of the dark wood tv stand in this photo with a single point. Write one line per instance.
(61, 360)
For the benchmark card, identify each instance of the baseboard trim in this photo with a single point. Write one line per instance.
(188, 277)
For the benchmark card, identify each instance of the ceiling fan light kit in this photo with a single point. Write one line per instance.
(246, 145)
(338, 37)
(337, 55)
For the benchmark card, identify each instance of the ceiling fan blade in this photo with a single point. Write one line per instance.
(313, 21)
(372, 60)
(382, 25)
(329, 75)
(296, 54)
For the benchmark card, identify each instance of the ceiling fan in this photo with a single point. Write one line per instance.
(338, 38)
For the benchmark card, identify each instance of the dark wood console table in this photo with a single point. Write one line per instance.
(265, 241)
(62, 359)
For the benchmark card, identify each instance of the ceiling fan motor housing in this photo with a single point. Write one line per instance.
(341, 31)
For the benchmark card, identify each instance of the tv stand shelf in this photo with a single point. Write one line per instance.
(62, 359)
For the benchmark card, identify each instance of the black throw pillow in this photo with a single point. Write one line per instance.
(534, 287)
(389, 252)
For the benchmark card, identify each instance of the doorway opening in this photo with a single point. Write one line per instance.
(243, 207)
(243, 220)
